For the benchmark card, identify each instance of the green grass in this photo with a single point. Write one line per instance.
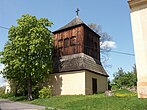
(96, 102)
(122, 100)
(10, 96)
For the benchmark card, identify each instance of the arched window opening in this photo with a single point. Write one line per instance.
(60, 43)
(73, 40)
(66, 42)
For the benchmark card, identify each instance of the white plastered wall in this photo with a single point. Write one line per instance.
(68, 83)
(8, 88)
(139, 30)
(102, 84)
(76, 82)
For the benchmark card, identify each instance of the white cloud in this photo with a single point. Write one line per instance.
(2, 80)
(110, 44)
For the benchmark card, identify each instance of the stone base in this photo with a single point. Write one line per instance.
(142, 89)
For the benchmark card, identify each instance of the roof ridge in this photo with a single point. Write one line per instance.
(76, 21)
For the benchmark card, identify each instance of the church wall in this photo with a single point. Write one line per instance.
(139, 27)
(8, 88)
(101, 82)
(68, 83)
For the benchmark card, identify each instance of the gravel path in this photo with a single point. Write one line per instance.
(9, 105)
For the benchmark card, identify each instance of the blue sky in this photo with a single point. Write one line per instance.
(112, 15)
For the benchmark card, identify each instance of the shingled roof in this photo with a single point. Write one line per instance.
(76, 62)
(76, 21)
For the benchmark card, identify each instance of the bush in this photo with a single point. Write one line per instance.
(2, 91)
(114, 87)
(45, 92)
(8, 95)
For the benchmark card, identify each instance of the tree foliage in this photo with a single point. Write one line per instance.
(125, 79)
(27, 54)
(104, 38)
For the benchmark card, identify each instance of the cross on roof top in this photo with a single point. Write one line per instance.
(77, 12)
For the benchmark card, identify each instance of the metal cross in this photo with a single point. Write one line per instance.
(77, 12)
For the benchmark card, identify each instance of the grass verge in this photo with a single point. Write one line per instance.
(122, 100)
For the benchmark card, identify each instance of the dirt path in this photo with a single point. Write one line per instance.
(9, 105)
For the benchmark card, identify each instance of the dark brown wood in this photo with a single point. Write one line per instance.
(69, 41)
(79, 39)
(91, 43)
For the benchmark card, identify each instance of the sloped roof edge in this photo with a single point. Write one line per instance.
(76, 21)
(76, 62)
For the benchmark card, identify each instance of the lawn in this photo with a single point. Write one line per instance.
(122, 100)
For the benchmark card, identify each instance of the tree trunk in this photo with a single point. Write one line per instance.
(15, 93)
(30, 89)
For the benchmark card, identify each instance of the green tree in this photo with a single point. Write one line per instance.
(118, 78)
(125, 79)
(27, 55)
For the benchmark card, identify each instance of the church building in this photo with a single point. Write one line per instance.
(77, 68)
(138, 14)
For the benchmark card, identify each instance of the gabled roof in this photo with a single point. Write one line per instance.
(76, 21)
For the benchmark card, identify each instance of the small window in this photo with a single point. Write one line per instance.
(66, 42)
(73, 40)
(60, 43)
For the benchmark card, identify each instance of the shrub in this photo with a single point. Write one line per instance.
(2, 91)
(8, 95)
(45, 92)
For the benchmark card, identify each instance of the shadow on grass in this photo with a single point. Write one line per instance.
(20, 98)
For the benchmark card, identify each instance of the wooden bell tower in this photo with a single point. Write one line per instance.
(76, 60)
(76, 37)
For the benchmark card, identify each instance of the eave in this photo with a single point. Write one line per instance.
(136, 3)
